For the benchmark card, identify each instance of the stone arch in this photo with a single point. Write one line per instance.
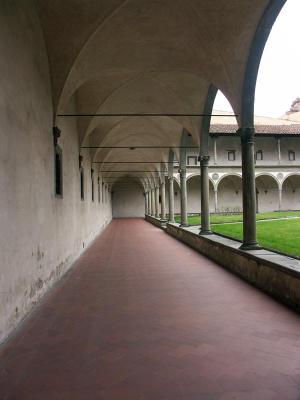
(262, 32)
(229, 191)
(291, 192)
(267, 193)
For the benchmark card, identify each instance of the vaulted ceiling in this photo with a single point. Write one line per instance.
(145, 56)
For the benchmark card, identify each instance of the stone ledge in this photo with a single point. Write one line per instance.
(276, 274)
(156, 221)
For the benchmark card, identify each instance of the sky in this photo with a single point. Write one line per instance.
(278, 82)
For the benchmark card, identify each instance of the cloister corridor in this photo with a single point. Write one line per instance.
(141, 316)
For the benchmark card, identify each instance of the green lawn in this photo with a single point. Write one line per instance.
(282, 235)
(219, 219)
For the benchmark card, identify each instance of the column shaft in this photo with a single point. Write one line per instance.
(163, 200)
(249, 189)
(183, 198)
(205, 216)
(156, 202)
(152, 202)
(171, 199)
(216, 200)
(146, 205)
(279, 199)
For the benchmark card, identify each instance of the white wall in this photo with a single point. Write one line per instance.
(194, 195)
(230, 194)
(40, 235)
(128, 203)
(268, 194)
(291, 193)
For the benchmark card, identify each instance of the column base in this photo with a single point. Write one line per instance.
(250, 246)
(204, 232)
(184, 225)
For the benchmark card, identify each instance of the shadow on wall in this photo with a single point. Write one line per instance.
(128, 201)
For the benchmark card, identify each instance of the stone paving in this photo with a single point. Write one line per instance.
(141, 316)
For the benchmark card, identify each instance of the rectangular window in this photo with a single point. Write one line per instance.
(192, 160)
(231, 155)
(81, 183)
(58, 172)
(292, 155)
(259, 155)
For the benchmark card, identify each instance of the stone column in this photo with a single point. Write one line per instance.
(156, 201)
(183, 198)
(146, 203)
(163, 200)
(205, 216)
(152, 202)
(279, 199)
(216, 199)
(149, 201)
(171, 199)
(249, 189)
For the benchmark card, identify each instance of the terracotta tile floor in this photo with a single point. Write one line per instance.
(143, 317)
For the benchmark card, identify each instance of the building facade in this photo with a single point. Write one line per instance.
(277, 153)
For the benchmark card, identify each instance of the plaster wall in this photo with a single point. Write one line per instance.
(290, 198)
(268, 145)
(41, 235)
(268, 201)
(224, 144)
(128, 203)
(290, 143)
(194, 195)
(290, 193)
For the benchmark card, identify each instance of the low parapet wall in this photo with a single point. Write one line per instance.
(276, 274)
(155, 221)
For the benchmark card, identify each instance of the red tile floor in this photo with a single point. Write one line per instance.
(143, 317)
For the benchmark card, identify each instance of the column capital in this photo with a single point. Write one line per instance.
(170, 178)
(182, 172)
(204, 160)
(246, 134)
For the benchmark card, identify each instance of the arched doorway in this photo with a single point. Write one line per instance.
(291, 193)
(267, 191)
(230, 194)
(194, 194)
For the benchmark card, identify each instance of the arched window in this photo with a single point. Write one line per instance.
(259, 155)
(292, 155)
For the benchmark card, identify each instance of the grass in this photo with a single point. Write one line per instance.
(219, 219)
(282, 235)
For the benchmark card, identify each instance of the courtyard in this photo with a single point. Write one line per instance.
(279, 231)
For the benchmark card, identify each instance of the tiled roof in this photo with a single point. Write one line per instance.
(292, 129)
